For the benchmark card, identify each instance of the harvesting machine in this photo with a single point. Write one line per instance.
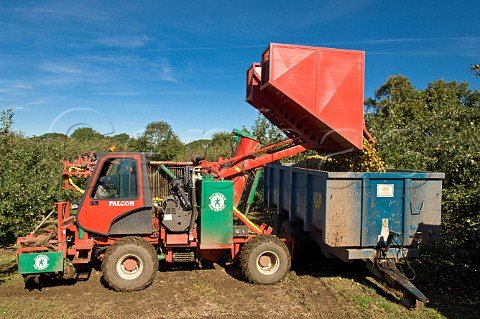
(128, 222)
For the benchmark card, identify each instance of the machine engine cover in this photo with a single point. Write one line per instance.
(175, 218)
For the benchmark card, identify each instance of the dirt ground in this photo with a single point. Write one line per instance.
(315, 289)
(212, 292)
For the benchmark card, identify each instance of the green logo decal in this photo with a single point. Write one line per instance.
(41, 262)
(217, 202)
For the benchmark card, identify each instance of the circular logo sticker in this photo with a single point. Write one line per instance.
(217, 202)
(41, 262)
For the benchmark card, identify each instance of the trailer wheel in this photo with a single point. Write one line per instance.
(130, 264)
(265, 259)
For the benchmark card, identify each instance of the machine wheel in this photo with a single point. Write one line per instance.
(265, 259)
(130, 264)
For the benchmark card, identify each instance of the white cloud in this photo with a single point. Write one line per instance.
(60, 68)
(23, 86)
(32, 103)
(75, 9)
(15, 89)
(129, 42)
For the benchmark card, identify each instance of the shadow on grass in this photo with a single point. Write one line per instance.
(452, 288)
(7, 271)
(39, 282)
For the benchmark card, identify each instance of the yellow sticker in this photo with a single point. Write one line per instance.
(238, 169)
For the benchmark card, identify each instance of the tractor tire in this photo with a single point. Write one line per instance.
(130, 264)
(265, 259)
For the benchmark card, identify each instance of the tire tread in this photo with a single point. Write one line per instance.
(108, 267)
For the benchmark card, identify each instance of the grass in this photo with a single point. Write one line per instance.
(8, 266)
(7, 258)
(368, 302)
(9, 308)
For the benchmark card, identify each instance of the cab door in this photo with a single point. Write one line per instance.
(114, 200)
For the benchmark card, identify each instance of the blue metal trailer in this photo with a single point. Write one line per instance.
(376, 217)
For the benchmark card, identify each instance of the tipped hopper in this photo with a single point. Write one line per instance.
(315, 94)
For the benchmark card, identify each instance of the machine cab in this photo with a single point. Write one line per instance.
(117, 200)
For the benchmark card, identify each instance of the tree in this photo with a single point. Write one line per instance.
(266, 132)
(220, 145)
(121, 141)
(86, 134)
(475, 69)
(397, 101)
(194, 147)
(30, 176)
(160, 140)
(51, 136)
(7, 120)
(158, 132)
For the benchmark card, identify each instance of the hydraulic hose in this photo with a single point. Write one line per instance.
(70, 180)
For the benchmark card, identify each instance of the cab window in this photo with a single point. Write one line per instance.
(118, 179)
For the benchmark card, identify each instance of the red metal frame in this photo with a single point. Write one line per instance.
(83, 167)
(245, 160)
(66, 225)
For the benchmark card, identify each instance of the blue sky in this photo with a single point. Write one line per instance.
(116, 66)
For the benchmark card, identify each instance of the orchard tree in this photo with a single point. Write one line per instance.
(120, 141)
(266, 132)
(475, 69)
(158, 132)
(51, 136)
(194, 147)
(86, 134)
(221, 145)
(7, 120)
(160, 140)
(397, 102)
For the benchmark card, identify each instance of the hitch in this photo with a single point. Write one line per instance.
(385, 268)
(387, 271)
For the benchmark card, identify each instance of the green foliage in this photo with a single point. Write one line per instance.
(435, 129)
(7, 116)
(475, 69)
(120, 140)
(160, 141)
(51, 136)
(266, 132)
(86, 134)
(220, 145)
(29, 183)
